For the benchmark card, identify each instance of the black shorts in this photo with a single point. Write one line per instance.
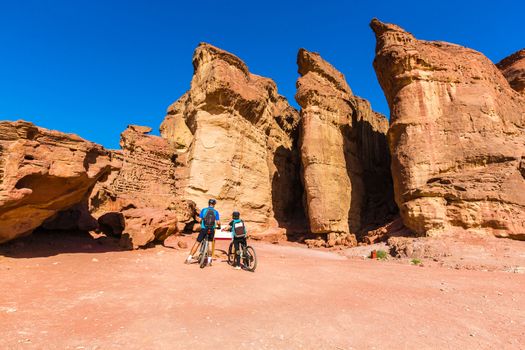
(204, 233)
(237, 241)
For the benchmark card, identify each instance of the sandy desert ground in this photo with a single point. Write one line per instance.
(75, 292)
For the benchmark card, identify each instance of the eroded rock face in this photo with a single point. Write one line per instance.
(140, 200)
(146, 179)
(235, 138)
(42, 173)
(147, 225)
(75, 218)
(456, 136)
(513, 68)
(344, 152)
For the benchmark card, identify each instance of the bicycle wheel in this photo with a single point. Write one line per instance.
(199, 253)
(231, 254)
(204, 253)
(250, 259)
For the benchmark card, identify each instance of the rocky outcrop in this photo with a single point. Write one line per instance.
(513, 68)
(146, 178)
(418, 248)
(344, 153)
(140, 201)
(235, 138)
(145, 225)
(394, 228)
(456, 136)
(42, 173)
(75, 218)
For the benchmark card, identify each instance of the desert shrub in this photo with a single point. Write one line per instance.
(382, 255)
(415, 261)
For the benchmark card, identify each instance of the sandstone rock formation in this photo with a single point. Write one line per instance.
(42, 173)
(235, 138)
(140, 226)
(75, 218)
(394, 228)
(140, 201)
(146, 225)
(344, 153)
(513, 68)
(456, 136)
(418, 248)
(146, 178)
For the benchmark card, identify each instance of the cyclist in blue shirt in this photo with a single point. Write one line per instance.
(210, 220)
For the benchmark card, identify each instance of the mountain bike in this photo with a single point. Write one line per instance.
(248, 257)
(204, 250)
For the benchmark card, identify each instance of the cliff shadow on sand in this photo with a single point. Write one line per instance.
(44, 243)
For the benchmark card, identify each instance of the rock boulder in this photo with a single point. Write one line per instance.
(145, 225)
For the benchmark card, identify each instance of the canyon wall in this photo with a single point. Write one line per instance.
(452, 156)
(456, 136)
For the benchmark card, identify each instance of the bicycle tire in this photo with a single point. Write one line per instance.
(204, 254)
(250, 258)
(231, 256)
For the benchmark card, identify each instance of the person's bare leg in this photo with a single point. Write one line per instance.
(212, 251)
(194, 248)
(192, 252)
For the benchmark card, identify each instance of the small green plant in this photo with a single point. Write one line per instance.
(415, 261)
(381, 255)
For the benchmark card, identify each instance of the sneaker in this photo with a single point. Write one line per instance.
(237, 267)
(188, 260)
(209, 261)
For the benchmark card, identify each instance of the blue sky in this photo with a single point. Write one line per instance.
(93, 67)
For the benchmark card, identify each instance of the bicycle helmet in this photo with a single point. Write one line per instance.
(212, 202)
(236, 215)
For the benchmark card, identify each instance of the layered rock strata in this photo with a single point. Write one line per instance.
(147, 175)
(140, 200)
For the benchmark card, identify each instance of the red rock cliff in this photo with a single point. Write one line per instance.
(456, 136)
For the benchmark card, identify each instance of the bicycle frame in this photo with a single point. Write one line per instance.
(204, 249)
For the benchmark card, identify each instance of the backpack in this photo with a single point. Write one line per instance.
(209, 218)
(238, 229)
